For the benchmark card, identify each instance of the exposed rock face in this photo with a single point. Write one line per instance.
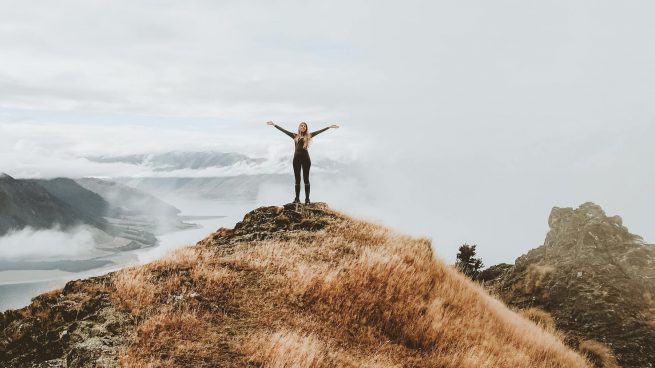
(76, 326)
(594, 277)
(276, 222)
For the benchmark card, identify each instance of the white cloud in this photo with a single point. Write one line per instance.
(29, 244)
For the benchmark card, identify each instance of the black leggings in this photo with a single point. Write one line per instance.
(302, 161)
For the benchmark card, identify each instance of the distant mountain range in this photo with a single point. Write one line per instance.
(224, 163)
(120, 218)
(177, 160)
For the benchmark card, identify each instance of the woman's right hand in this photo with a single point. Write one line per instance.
(270, 123)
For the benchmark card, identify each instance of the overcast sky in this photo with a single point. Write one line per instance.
(470, 119)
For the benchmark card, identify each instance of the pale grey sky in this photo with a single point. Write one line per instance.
(471, 119)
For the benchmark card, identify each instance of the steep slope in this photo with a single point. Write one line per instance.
(594, 277)
(85, 203)
(129, 199)
(26, 203)
(291, 286)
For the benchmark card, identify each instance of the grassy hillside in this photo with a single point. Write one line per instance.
(297, 286)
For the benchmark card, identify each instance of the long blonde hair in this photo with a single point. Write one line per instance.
(307, 136)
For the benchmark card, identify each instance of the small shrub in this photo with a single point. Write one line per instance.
(599, 354)
(540, 317)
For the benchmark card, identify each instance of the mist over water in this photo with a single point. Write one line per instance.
(17, 287)
(35, 245)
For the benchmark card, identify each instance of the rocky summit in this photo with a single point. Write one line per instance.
(594, 277)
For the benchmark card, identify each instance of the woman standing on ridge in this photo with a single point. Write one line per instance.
(301, 155)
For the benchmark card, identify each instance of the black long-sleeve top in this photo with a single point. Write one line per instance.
(301, 142)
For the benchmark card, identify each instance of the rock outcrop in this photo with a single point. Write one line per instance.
(76, 326)
(594, 277)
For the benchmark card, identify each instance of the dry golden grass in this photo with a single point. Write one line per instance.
(134, 290)
(286, 348)
(354, 294)
(171, 339)
(540, 317)
(599, 353)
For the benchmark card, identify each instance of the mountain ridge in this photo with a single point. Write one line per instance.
(291, 285)
(176, 160)
(26, 203)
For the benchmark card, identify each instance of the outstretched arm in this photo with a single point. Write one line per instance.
(324, 129)
(319, 131)
(281, 129)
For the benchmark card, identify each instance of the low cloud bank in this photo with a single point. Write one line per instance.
(30, 244)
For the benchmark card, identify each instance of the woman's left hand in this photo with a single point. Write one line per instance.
(334, 126)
